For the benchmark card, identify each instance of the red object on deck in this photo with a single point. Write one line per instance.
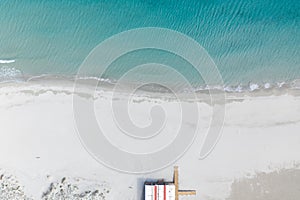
(155, 192)
(165, 192)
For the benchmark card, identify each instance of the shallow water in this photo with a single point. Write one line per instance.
(251, 42)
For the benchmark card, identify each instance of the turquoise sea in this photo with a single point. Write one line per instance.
(253, 43)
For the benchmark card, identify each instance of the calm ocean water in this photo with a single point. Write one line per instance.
(252, 42)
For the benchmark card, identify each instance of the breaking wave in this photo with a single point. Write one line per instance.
(7, 61)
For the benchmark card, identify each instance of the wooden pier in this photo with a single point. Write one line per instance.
(176, 183)
(162, 190)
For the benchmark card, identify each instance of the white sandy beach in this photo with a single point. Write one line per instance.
(41, 150)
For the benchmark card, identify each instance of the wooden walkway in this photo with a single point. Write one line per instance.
(176, 183)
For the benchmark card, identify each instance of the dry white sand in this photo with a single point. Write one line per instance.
(41, 149)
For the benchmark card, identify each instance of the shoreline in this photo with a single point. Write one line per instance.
(61, 85)
(248, 89)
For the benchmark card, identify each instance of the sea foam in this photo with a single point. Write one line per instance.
(10, 74)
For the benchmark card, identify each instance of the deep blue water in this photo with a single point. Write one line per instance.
(249, 40)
